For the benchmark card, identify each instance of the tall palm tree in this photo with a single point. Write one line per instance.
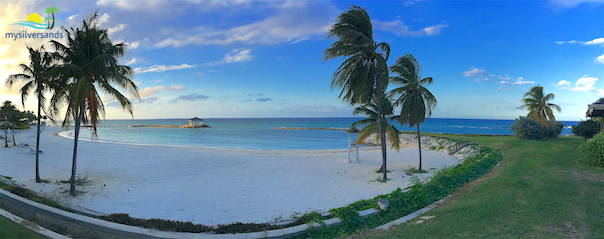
(538, 105)
(371, 123)
(365, 72)
(90, 64)
(415, 99)
(37, 77)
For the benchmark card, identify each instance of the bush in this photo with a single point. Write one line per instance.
(594, 150)
(587, 129)
(527, 128)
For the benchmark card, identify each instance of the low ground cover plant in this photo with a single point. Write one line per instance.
(443, 183)
(593, 150)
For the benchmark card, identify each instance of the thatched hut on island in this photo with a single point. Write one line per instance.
(195, 121)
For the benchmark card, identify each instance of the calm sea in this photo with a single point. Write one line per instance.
(257, 133)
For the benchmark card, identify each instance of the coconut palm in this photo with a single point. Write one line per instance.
(371, 123)
(538, 105)
(90, 64)
(365, 72)
(415, 100)
(37, 78)
(52, 11)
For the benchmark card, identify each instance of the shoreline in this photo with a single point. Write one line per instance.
(209, 186)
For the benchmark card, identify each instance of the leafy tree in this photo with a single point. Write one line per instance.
(415, 99)
(371, 123)
(89, 64)
(37, 77)
(365, 72)
(587, 129)
(14, 118)
(539, 107)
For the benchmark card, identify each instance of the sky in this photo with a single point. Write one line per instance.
(258, 59)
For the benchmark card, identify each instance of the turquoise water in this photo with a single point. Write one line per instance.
(259, 133)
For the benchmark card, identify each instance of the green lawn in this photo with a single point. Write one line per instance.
(542, 189)
(10, 229)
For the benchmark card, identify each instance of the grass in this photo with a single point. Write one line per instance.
(542, 189)
(10, 229)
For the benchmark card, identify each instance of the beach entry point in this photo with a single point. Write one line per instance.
(353, 147)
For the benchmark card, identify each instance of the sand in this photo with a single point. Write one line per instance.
(208, 185)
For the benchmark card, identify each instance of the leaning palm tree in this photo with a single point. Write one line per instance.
(538, 105)
(37, 77)
(89, 64)
(365, 72)
(415, 100)
(371, 123)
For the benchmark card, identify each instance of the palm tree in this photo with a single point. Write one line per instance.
(365, 72)
(52, 11)
(371, 123)
(90, 64)
(48, 20)
(36, 74)
(539, 108)
(416, 101)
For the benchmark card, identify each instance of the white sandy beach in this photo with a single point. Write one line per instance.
(208, 186)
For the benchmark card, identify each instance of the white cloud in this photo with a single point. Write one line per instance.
(600, 59)
(585, 83)
(597, 41)
(151, 91)
(475, 72)
(399, 28)
(559, 5)
(237, 55)
(601, 92)
(102, 19)
(130, 62)
(504, 89)
(481, 79)
(117, 28)
(160, 68)
(519, 81)
(134, 44)
(284, 26)
(563, 84)
(177, 87)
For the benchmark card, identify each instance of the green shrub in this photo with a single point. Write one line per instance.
(527, 128)
(594, 150)
(587, 129)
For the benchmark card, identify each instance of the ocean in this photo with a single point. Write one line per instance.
(262, 133)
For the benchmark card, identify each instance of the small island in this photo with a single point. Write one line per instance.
(194, 123)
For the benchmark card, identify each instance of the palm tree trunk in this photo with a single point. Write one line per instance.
(38, 180)
(419, 144)
(53, 21)
(72, 190)
(5, 134)
(381, 127)
(13, 131)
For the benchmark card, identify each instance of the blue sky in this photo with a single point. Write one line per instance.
(241, 58)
